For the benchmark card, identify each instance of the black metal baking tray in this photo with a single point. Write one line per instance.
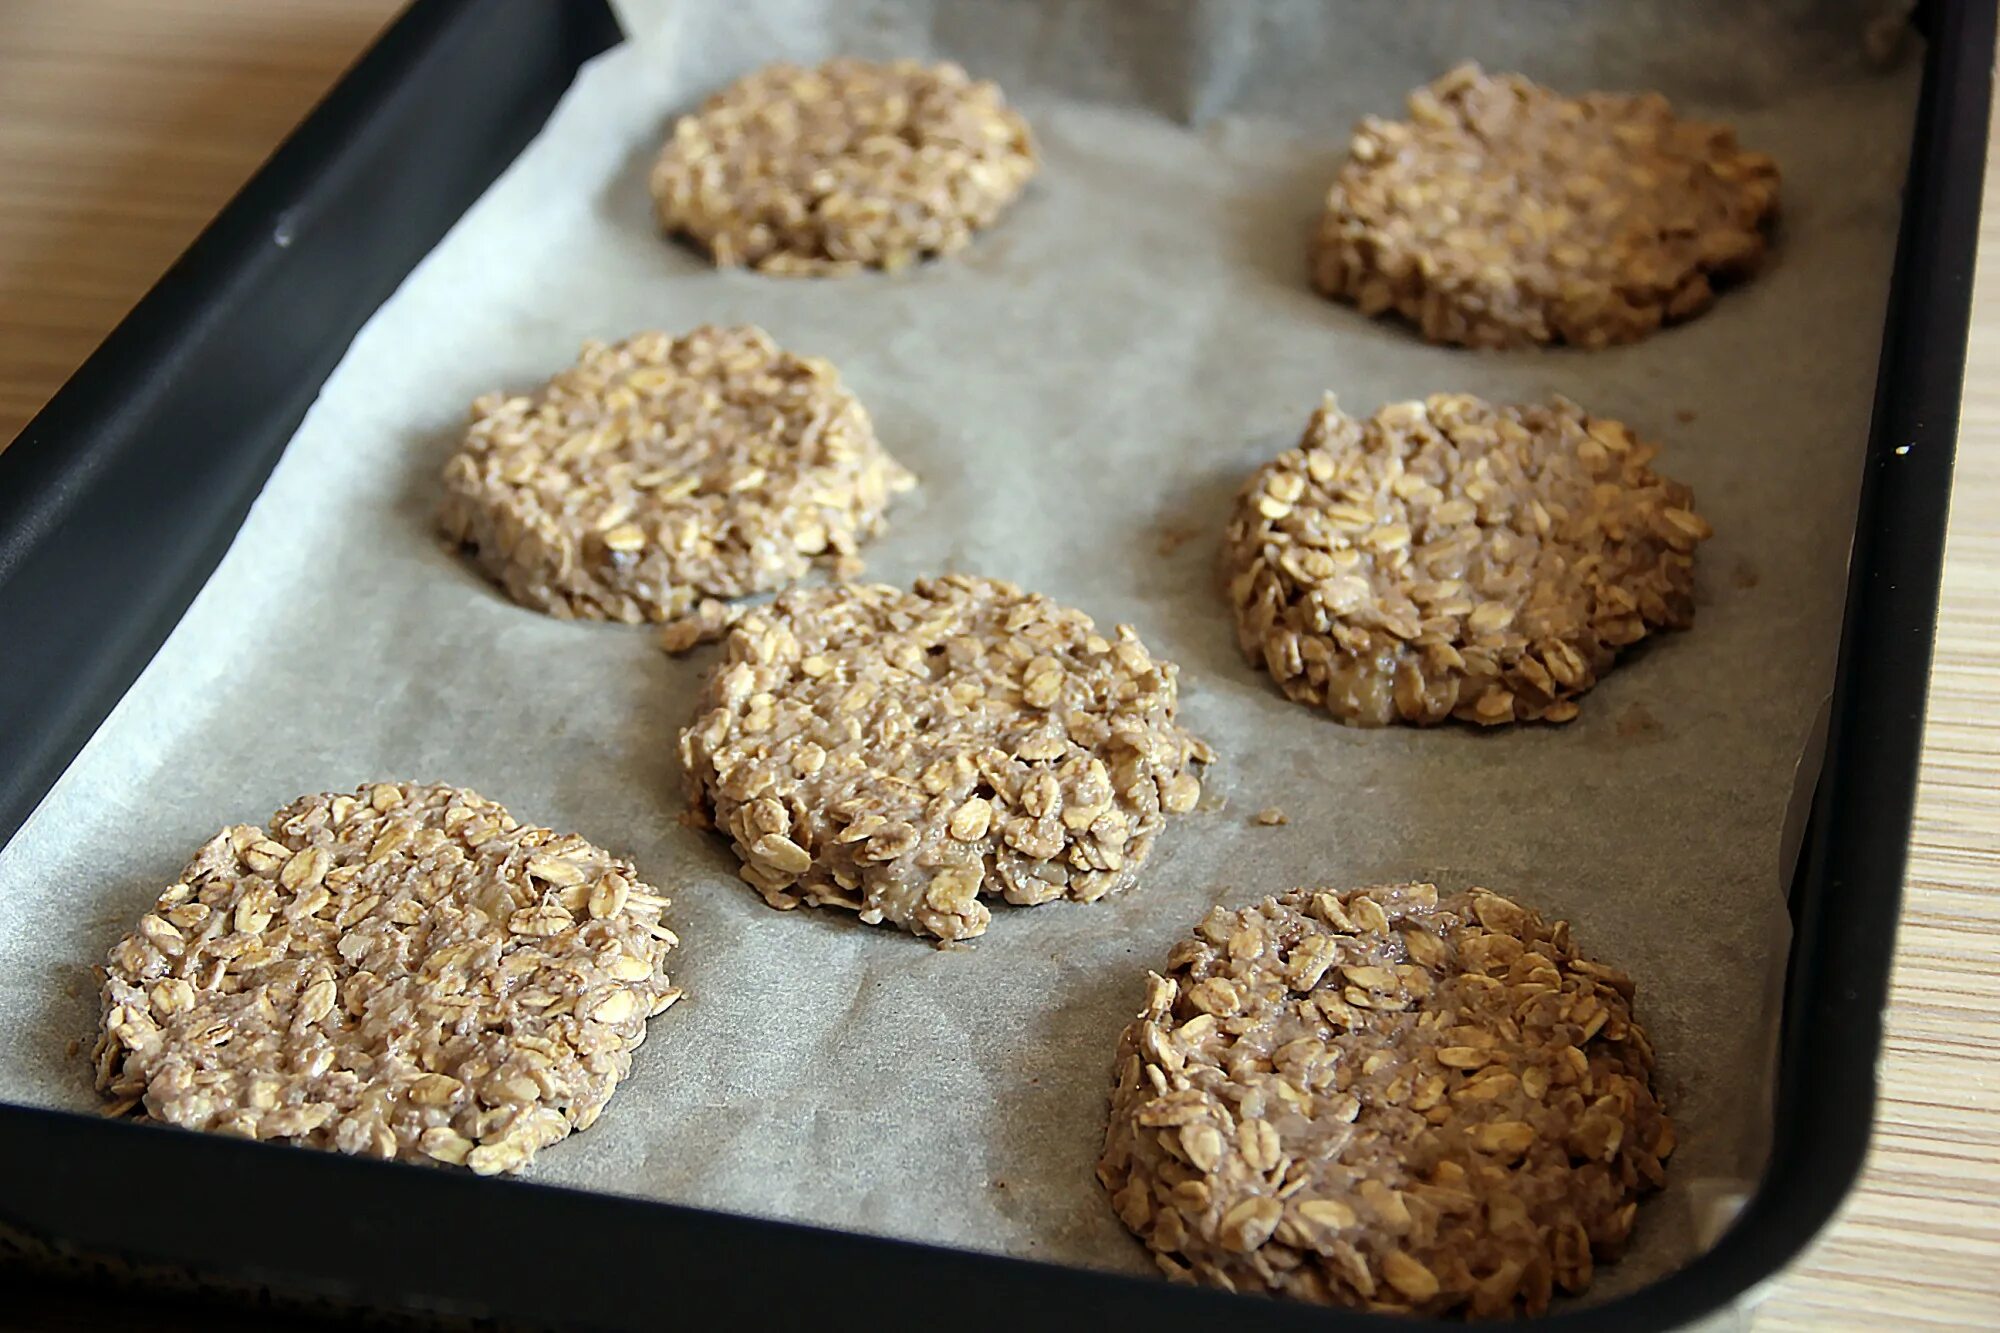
(119, 499)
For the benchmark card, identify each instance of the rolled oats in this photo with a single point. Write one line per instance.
(1376, 1099)
(852, 164)
(1502, 214)
(903, 755)
(407, 973)
(660, 470)
(1450, 558)
(706, 623)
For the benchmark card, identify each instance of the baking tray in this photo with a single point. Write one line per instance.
(118, 501)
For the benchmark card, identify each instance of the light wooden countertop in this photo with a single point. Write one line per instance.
(124, 124)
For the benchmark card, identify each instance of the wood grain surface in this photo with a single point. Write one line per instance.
(125, 124)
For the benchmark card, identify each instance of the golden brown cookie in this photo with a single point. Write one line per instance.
(902, 755)
(853, 164)
(1450, 558)
(659, 471)
(405, 972)
(1376, 1099)
(1501, 214)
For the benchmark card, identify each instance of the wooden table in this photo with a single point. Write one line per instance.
(124, 124)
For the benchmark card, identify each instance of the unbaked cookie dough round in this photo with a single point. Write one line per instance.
(404, 972)
(853, 164)
(1450, 558)
(660, 471)
(904, 754)
(1501, 214)
(1377, 1099)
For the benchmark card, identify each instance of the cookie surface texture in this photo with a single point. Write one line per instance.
(849, 165)
(904, 755)
(659, 471)
(404, 972)
(1377, 1099)
(1449, 558)
(1502, 214)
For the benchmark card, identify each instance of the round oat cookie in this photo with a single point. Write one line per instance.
(853, 164)
(406, 972)
(660, 470)
(1376, 1099)
(1504, 215)
(902, 754)
(1450, 558)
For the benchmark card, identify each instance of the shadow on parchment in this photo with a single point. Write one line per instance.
(1050, 1128)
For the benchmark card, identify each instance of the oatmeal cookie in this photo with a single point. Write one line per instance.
(1502, 214)
(1376, 1099)
(406, 972)
(852, 164)
(904, 754)
(1450, 558)
(660, 470)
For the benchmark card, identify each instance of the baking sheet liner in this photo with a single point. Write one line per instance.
(1081, 392)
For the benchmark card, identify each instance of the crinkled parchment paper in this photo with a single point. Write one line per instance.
(1080, 392)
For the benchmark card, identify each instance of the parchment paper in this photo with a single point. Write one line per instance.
(1080, 392)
